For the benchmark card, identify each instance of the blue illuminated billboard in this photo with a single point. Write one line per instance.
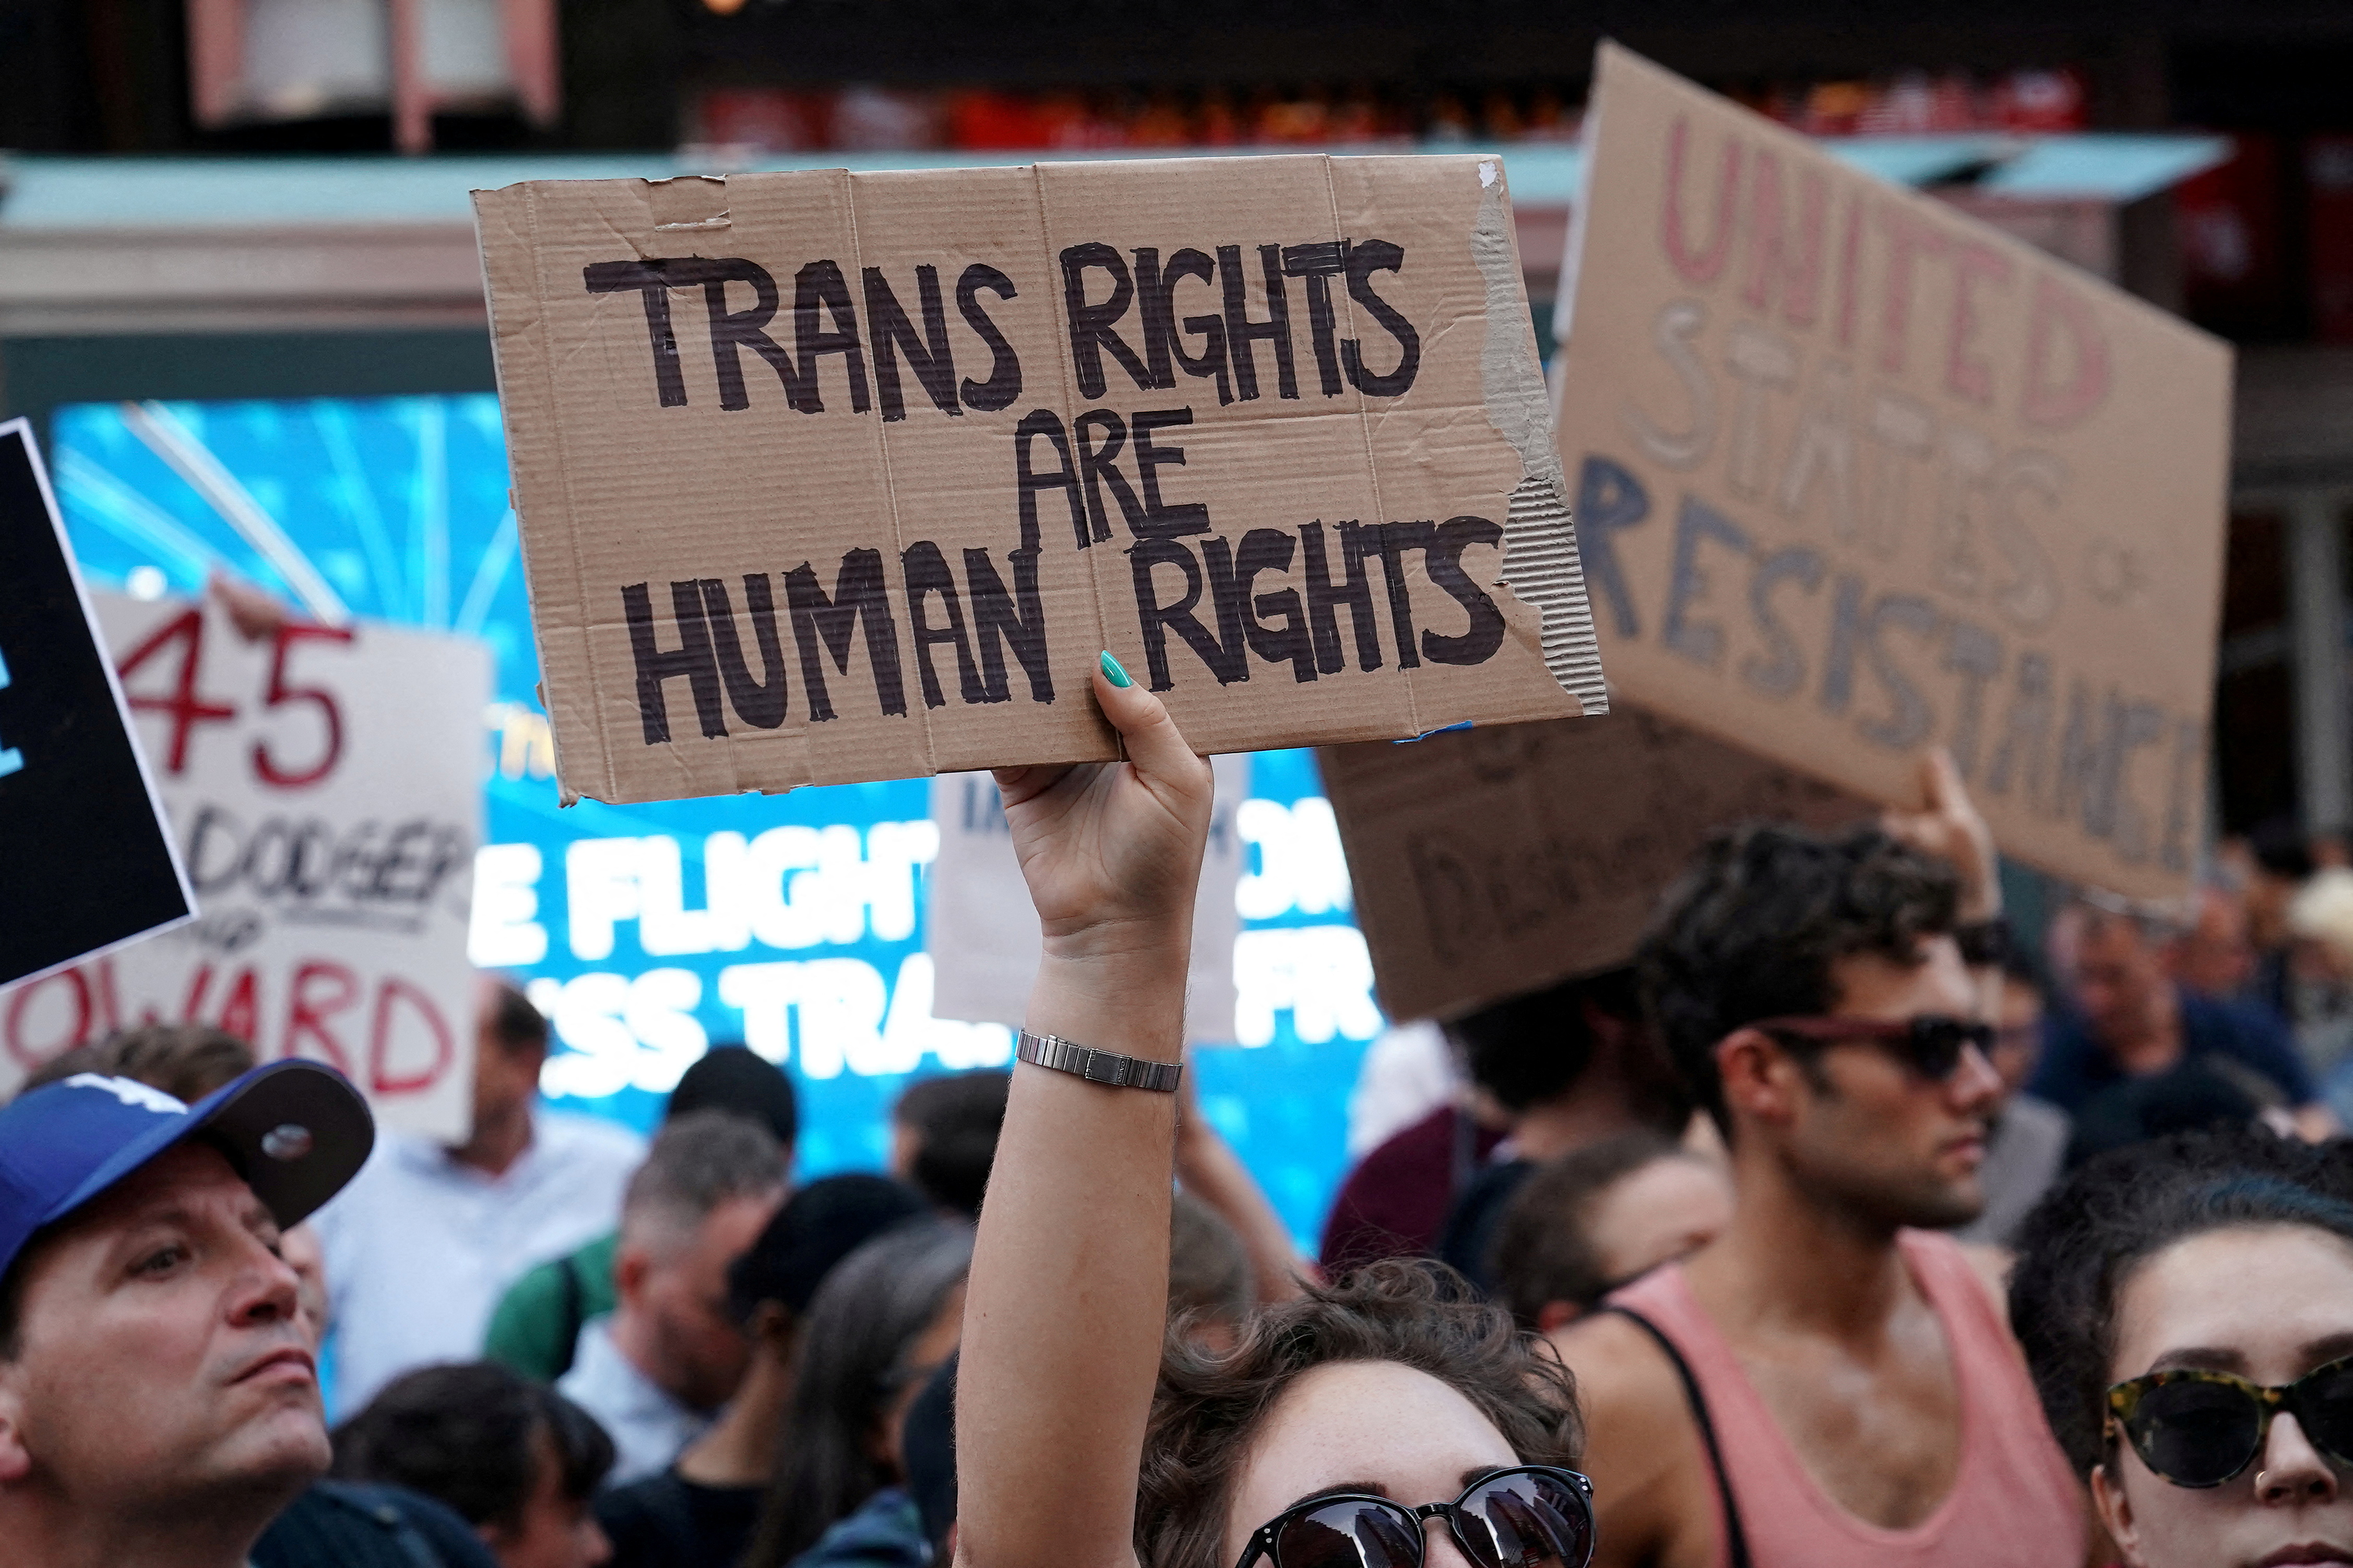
(791, 922)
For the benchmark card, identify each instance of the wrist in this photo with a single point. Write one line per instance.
(1128, 1000)
(1135, 947)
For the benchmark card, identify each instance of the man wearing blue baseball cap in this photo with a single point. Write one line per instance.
(159, 1402)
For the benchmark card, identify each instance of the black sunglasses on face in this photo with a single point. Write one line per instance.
(1534, 1516)
(2200, 1428)
(1930, 1045)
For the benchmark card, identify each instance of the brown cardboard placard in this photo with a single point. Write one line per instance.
(828, 476)
(1496, 861)
(1855, 474)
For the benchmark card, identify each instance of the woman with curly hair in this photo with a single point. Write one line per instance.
(1382, 1422)
(2186, 1306)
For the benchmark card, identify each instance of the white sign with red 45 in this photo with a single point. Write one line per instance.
(325, 786)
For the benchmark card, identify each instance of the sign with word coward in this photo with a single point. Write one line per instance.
(981, 932)
(86, 861)
(1489, 863)
(828, 476)
(325, 787)
(1854, 475)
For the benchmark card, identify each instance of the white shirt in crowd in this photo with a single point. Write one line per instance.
(420, 1246)
(648, 1426)
(1407, 1073)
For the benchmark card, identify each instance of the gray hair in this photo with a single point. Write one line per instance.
(865, 1319)
(699, 1162)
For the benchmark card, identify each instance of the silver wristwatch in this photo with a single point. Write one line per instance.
(1108, 1068)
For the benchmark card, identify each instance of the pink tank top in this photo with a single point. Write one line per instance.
(2014, 1504)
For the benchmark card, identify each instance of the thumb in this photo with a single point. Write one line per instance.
(1941, 780)
(1156, 747)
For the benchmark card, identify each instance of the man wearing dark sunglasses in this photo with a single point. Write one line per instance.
(1829, 1384)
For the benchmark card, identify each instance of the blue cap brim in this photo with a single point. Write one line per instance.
(295, 1130)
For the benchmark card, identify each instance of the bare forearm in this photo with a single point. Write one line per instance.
(1065, 1316)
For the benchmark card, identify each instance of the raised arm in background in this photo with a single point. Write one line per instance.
(1208, 1168)
(1073, 1247)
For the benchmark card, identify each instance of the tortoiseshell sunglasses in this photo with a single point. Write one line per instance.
(2200, 1428)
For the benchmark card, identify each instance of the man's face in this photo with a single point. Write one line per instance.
(683, 1293)
(2019, 1042)
(505, 1075)
(163, 1361)
(2116, 979)
(1868, 1131)
(2214, 956)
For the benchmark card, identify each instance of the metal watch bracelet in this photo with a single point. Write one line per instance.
(1107, 1067)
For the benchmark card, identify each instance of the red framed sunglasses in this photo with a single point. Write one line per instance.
(1931, 1044)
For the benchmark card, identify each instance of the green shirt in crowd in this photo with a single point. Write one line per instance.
(538, 1320)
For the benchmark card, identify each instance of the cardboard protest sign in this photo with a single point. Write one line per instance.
(1855, 474)
(86, 861)
(981, 932)
(325, 786)
(1492, 862)
(828, 476)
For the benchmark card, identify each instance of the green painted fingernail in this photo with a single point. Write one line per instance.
(1112, 671)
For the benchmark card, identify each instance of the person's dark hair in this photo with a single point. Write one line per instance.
(1542, 1254)
(955, 1119)
(2281, 846)
(186, 1061)
(817, 1226)
(2021, 965)
(867, 1316)
(928, 1450)
(513, 1022)
(1208, 1268)
(12, 1305)
(1754, 928)
(468, 1434)
(1417, 1313)
(697, 1163)
(2077, 1247)
(1530, 1048)
(735, 1079)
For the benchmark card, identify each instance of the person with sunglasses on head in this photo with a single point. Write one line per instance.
(2186, 1307)
(1385, 1421)
(1831, 1382)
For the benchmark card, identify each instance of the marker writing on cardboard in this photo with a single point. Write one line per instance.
(1226, 600)
(1295, 622)
(2075, 765)
(825, 322)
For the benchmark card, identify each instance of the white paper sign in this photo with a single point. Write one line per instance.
(325, 787)
(982, 933)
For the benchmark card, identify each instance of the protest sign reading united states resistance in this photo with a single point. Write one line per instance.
(828, 476)
(86, 862)
(1854, 474)
(325, 787)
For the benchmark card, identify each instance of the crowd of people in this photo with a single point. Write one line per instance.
(1843, 1227)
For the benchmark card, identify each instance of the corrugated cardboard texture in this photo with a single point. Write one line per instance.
(1493, 862)
(1854, 474)
(827, 477)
